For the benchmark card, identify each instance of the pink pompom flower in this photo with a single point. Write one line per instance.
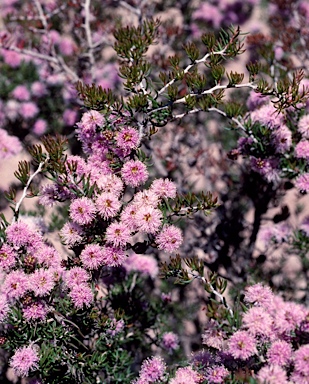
(82, 211)
(134, 173)
(24, 360)
(169, 239)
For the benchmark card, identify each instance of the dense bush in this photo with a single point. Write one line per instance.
(166, 148)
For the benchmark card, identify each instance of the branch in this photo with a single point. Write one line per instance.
(24, 194)
(90, 47)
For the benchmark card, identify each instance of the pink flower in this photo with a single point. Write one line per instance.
(213, 335)
(256, 100)
(110, 184)
(170, 341)
(92, 256)
(164, 188)
(242, 345)
(69, 117)
(28, 110)
(82, 211)
(71, 234)
(41, 281)
(146, 265)
(7, 257)
(15, 284)
(258, 321)
(21, 93)
(107, 205)
(210, 13)
(301, 360)
(302, 182)
(128, 216)
(4, 307)
(266, 168)
(9, 145)
(169, 239)
(289, 316)
(75, 276)
(153, 369)
(272, 374)
(39, 127)
(38, 89)
(20, 234)
(127, 139)
(91, 120)
(13, 59)
(282, 139)
(118, 234)
(303, 126)
(134, 173)
(48, 195)
(268, 116)
(48, 256)
(67, 46)
(24, 360)
(113, 256)
(35, 311)
(146, 197)
(279, 353)
(185, 375)
(216, 374)
(259, 294)
(302, 150)
(81, 295)
(148, 219)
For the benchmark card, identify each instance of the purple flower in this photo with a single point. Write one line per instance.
(153, 369)
(24, 360)
(170, 341)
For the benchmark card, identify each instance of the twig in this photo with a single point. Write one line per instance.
(90, 47)
(215, 292)
(24, 194)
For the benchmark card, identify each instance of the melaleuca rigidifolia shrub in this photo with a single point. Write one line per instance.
(115, 208)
